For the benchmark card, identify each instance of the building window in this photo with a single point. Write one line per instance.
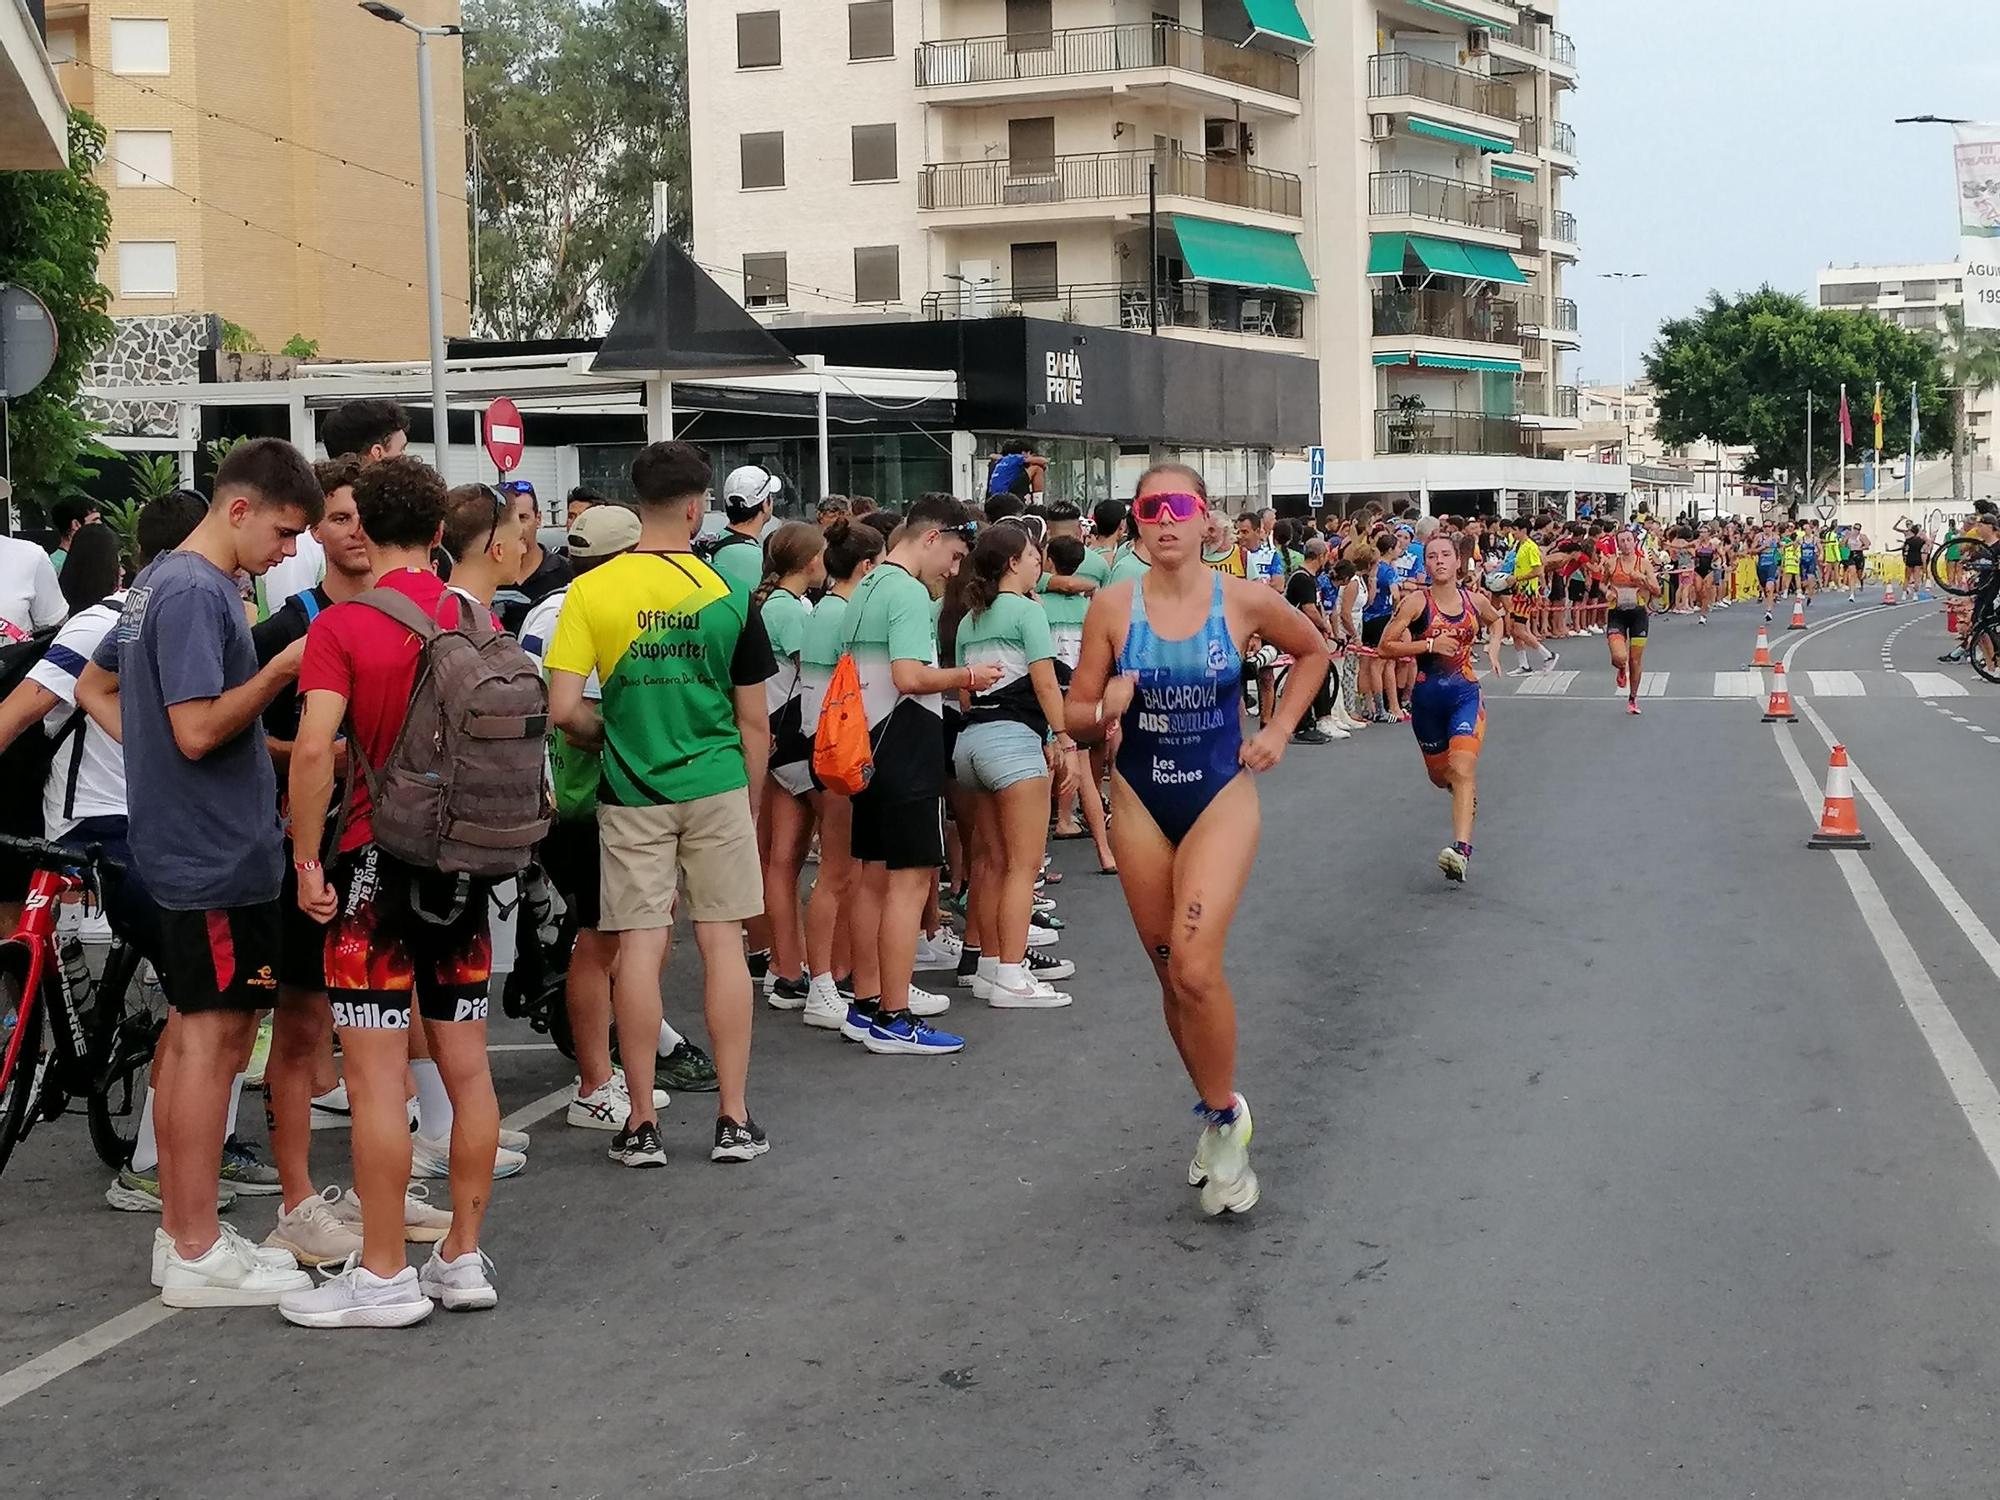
(148, 268)
(1031, 147)
(138, 46)
(878, 273)
(62, 45)
(143, 158)
(1034, 271)
(763, 154)
(874, 153)
(1030, 25)
(764, 281)
(871, 30)
(757, 41)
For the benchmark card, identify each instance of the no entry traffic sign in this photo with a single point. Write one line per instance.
(501, 432)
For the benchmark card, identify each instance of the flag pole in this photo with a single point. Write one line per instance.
(1844, 421)
(1910, 470)
(1806, 498)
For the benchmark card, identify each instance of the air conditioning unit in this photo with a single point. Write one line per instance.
(1381, 127)
(1223, 138)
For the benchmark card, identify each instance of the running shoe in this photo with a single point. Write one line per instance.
(1311, 736)
(1030, 994)
(786, 994)
(313, 1234)
(954, 902)
(608, 1106)
(844, 988)
(1047, 921)
(1523, 670)
(260, 1055)
(462, 1285)
(1452, 860)
(231, 1273)
(909, 1035)
(136, 1192)
(1632, 706)
(1332, 728)
(1620, 675)
(855, 1025)
(1767, 617)
(824, 1007)
(1042, 937)
(358, 1298)
(687, 1069)
(1043, 905)
(277, 1258)
(1701, 619)
(924, 1003)
(939, 950)
(1222, 1161)
(1956, 654)
(424, 1223)
(734, 1142)
(760, 963)
(334, 1101)
(429, 1158)
(1047, 966)
(1549, 662)
(639, 1147)
(242, 1170)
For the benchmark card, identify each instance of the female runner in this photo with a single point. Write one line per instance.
(1438, 626)
(1163, 658)
(792, 567)
(1704, 574)
(1631, 585)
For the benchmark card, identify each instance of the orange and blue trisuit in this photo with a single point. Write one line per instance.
(1447, 711)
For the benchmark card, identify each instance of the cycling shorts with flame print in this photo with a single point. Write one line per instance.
(401, 932)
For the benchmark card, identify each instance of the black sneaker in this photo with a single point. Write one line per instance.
(1310, 736)
(734, 1142)
(1047, 966)
(760, 963)
(845, 985)
(686, 1070)
(968, 966)
(639, 1147)
(788, 994)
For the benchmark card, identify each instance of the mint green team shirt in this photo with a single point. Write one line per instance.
(1128, 565)
(1013, 634)
(741, 565)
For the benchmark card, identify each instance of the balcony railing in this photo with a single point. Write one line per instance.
(1190, 304)
(1399, 73)
(1527, 35)
(1422, 196)
(1562, 226)
(1565, 316)
(1425, 431)
(1103, 49)
(1532, 399)
(1480, 318)
(1562, 49)
(1105, 174)
(1562, 137)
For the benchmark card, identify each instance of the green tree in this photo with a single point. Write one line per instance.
(1738, 372)
(576, 109)
(53, 228)
(1970, 360)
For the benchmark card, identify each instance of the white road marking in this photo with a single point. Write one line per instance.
(1654, 685)
(1739, 684)
(1548, 684)
(1935, 685)
(1835, 684)
(1970, 1084)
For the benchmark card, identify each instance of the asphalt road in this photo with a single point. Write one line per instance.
(1623, 1171)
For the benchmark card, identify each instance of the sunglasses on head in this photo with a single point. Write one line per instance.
(1174, 505)
(1036, 528)
(965, 531)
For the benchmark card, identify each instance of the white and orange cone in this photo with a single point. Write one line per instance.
(1761, 657)
(1839, 824)
(1889, 593)
(1798, 615)
(1779, 709)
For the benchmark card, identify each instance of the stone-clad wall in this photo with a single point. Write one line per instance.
(163, 350)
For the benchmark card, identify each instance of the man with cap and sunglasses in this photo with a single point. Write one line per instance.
(748, 497)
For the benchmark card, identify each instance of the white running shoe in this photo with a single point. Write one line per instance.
(1452, 862)
(231, 1273)
(939, 950)
(924, 1003)
(276, 1258)
(462, 1285)
(429, 1158)
(424, 1223)
(1332, 728)
(513, 1140)
(824, 1007)
(1032, 995)
(313, 1233)
(1042, 937)
(357, 1298)
(1222, 1159)
(981, 986)
(334, 1100)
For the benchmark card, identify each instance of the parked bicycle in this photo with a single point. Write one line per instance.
(1969, 568)
(64, 1034)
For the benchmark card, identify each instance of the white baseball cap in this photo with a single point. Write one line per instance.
(749, 487)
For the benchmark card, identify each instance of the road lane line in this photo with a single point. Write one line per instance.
(1936, 685)
(1970, 1084)
(1835, 685)
(1654, 685)
(1739, 684)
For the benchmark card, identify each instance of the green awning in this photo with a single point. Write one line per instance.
(1279, 19)
(1438, 7)
(1452, 362)
(1460, 137)
(1242, 255)
(1387, 253)
(1513, 174)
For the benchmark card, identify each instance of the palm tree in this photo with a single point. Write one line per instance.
(1969, 359)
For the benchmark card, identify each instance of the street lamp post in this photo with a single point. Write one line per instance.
(433, 259)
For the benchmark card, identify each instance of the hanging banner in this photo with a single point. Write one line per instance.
(1977, 158)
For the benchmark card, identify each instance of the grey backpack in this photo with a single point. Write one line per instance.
(465, 788)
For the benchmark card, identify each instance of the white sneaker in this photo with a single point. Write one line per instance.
(424, 1223)
(1331, 728)
(313, 1234)
(334, 1100)
(981, 986)
(230, 1273)
(824, 1007)
(429, 1158)
(939, 950)
(1042, 937)
(924, 1003)
(462, 1285)
(513, 1140)
(1032, 995)
(1222, 1164)
(276, 1258)
(358, 1298)
(608, 1106)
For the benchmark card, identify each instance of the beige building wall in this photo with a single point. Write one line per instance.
(277, 111)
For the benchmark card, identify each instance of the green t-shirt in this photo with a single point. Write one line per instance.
(890, 618)
(1065, 613)
(819, 653)
(740, 560)
(1129, 565)
(670, 640)
(785, 616)
(1014, 633)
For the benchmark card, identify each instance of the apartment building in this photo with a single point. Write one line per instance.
(259, 157)
(34, 130)
(1372, 189)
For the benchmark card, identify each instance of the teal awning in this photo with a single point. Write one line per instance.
(1387, 253)
(1242, 255)
(1438, 7)
(1459, 136)
(1452, 362)
(1513, 174)
(1278, 19)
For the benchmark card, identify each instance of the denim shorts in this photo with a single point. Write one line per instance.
(993, 756)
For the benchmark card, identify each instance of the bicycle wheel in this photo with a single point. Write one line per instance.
(122, 1057)
(1962, 565)
(20, 1084)
(1983, 650)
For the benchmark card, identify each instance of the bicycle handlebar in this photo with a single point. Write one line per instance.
(48, 855)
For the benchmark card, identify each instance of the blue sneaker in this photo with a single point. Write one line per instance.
(905, 1033)
(860, 1017)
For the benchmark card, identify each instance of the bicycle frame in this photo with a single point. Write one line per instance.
(31, 954)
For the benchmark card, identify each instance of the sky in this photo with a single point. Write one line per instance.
(1728, 143)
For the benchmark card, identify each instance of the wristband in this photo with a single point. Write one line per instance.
(305, 864)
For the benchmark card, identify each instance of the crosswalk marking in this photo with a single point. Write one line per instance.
(1654, 686)
(1935, 685)
(1548, 684)
(1834, 685)
(1739, 684)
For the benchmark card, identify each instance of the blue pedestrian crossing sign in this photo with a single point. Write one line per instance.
(1316, 465)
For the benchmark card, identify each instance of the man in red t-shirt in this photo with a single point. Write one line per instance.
(359, 671)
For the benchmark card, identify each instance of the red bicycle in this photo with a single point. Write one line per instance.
(98, 1046)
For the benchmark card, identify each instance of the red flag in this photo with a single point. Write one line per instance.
(1846, 421)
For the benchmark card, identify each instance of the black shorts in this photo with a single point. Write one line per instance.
(224, 960)
(571, 857)
(1579, 588)
(1371, 630)
(302, 951)
(904, 833)
(400, 931)
(1628, 620)
(953, 722)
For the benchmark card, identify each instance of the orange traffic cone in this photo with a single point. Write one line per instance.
(1762, 656)
(1779, 709)
(1798, 615)
(1839, 826)
(1889, 593)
